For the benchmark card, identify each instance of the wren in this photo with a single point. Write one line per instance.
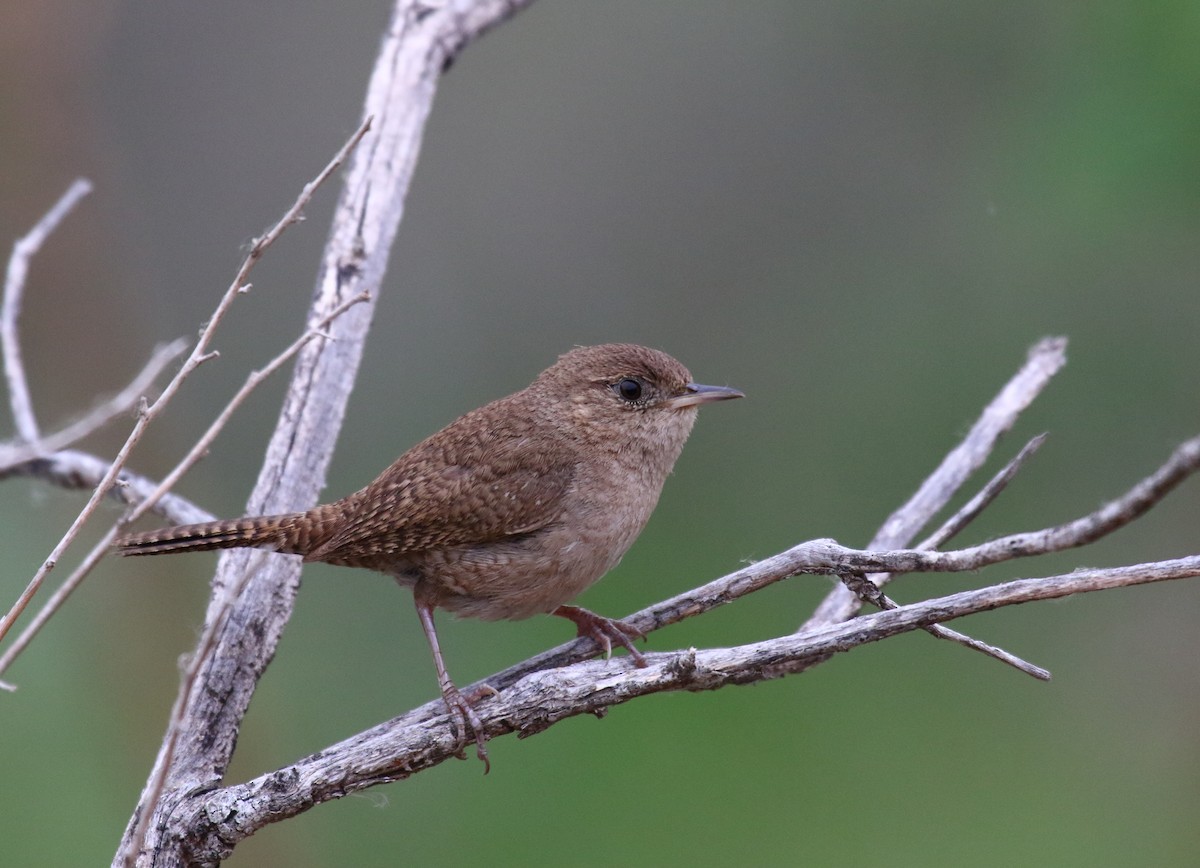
(509, 511)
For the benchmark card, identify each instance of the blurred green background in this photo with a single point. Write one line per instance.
(861, 214)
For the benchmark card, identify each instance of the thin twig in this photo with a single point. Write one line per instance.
(296, 212)
(1021, 665)
(57, 599)
(977, 504)
(868, 591)
(1045, 359)
(200, 353)
(24, 250)
(14, 454)
(252, 382)
(101, 548)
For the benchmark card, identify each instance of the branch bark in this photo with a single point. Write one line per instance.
(540, 698)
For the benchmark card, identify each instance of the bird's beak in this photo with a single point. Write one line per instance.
(696, 394)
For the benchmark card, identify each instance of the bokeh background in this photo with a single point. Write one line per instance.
(862, 214)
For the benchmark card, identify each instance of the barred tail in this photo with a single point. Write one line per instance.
(294, 533)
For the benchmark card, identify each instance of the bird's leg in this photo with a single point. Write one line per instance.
(604, 631)
(464, 716)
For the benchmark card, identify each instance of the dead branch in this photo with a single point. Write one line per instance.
(541, 697)
(827, 557)
(24, 250)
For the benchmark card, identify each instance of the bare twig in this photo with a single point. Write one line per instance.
(24, 250)
(863, 588)
(151, 498)
(200, 353)
(56, 600)
(977, 504)
(13, 455)
(295, 214)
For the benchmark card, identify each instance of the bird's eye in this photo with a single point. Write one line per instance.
(628, 389)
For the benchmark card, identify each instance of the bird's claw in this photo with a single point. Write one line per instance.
(466, 722)
(604, 631)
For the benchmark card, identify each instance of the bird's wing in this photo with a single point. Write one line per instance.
(444, 492)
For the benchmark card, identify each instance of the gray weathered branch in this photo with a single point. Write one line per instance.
(420, 41)
(72, 469)
(540, 698)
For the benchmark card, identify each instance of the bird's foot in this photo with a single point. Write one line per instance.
(466, 723)
(480, 692)
(604, 631)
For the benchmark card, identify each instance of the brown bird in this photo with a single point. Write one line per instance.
(511, 510)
